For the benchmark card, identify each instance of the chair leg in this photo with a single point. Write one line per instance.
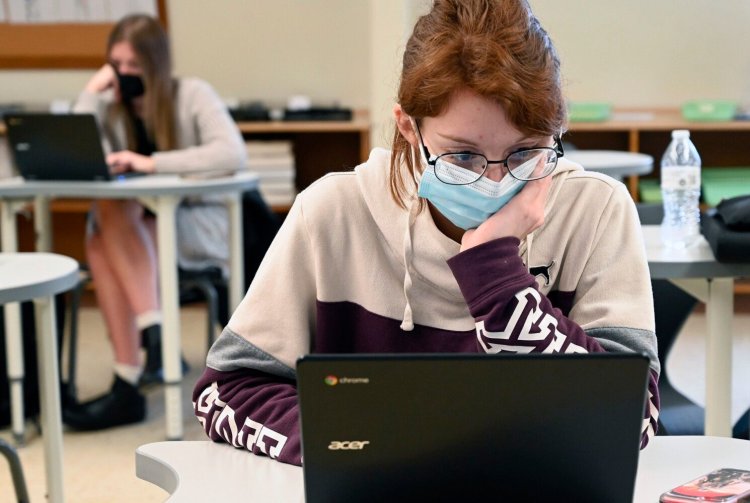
(212, 301)
(212, 304)
(16, 471)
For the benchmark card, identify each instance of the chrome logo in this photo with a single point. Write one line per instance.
(331, 380)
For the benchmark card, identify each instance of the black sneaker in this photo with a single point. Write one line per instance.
(124, 404)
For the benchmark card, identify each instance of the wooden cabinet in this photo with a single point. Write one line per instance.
(720, 144)
(319, 146)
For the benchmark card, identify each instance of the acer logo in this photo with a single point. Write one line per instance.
(349, 445)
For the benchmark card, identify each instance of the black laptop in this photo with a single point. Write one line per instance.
(471, 427)
(48, 146)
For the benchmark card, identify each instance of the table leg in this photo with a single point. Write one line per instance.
(42, 224)
(236, 252)
(49, 390)
(170, 304)
(719, 314)
(718, 295)
(13, 337)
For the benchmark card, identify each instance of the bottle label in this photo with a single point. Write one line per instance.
(681, 178)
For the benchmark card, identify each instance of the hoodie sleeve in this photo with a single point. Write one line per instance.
(512, 315)
(247, 396)
(220, 147)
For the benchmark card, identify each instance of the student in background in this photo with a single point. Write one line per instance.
(151, 122)
(473, 234)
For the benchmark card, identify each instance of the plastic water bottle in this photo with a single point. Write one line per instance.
(680, 191)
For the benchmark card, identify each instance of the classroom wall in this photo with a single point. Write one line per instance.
(634, 53)
(651, 52)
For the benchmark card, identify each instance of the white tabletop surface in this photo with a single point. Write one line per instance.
(142, 186)
(205, 471)
(25, 276)
(612, 162)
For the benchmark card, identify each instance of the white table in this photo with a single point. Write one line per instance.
(39, 276)
(696, 271)
(614, 163)
(162, 194)
(206, 471)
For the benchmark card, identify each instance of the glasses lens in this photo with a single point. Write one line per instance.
(460, 169)
(532, 164)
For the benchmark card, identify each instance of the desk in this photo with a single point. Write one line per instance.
(162, 194)
(206, 471)
(39, 276)
(614, 163)
(696, 271)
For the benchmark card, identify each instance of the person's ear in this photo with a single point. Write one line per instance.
(405, 125)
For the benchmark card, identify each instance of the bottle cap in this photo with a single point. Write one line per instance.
(680, 134)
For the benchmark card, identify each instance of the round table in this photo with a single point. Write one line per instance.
(614, 163)
(38, 276)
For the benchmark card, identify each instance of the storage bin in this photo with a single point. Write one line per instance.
(589, 112)
(709, 110)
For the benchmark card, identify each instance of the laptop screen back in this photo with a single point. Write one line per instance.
(56, 147)
(471, 427)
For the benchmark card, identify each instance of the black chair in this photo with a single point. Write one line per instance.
(16, 471)
(672, 306)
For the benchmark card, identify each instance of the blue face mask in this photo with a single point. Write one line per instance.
(468, 206)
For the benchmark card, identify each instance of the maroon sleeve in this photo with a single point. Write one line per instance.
(250, 410)
(510, 312)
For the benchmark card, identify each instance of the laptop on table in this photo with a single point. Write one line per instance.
(457, 427)
(60, 147)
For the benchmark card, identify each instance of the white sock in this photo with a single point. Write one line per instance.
(145, 320)
(128, 373)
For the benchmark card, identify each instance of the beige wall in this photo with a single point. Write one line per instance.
(651, 52)
(630, 53)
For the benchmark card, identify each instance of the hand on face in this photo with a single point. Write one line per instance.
(125, 160)
(522, 215)
(102, 80)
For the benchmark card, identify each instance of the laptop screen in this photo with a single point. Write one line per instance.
(470, 427)
(56, 146)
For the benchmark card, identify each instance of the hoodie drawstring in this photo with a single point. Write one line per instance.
(407, 324)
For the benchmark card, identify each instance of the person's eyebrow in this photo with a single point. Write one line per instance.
(457, 140)
(518, 143)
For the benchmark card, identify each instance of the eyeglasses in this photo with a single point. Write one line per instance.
(522, 164)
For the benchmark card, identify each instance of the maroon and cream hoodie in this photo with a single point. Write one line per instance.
(352, 272)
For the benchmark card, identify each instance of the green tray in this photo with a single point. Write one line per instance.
(724, 183)
(709, 110)
(589, 112)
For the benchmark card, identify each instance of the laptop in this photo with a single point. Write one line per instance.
(48, 146)
(463, 427)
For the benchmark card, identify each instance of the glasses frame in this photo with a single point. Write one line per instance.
(557, 148)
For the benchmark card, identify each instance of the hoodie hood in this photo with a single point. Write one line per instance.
(412, 236)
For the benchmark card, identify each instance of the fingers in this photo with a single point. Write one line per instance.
(102, 80)
(522, 215)
(126, 160)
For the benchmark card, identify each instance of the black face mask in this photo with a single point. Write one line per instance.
(131, 86)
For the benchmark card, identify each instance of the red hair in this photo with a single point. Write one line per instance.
(496, 48)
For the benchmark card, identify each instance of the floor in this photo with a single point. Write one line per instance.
(100, 466)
